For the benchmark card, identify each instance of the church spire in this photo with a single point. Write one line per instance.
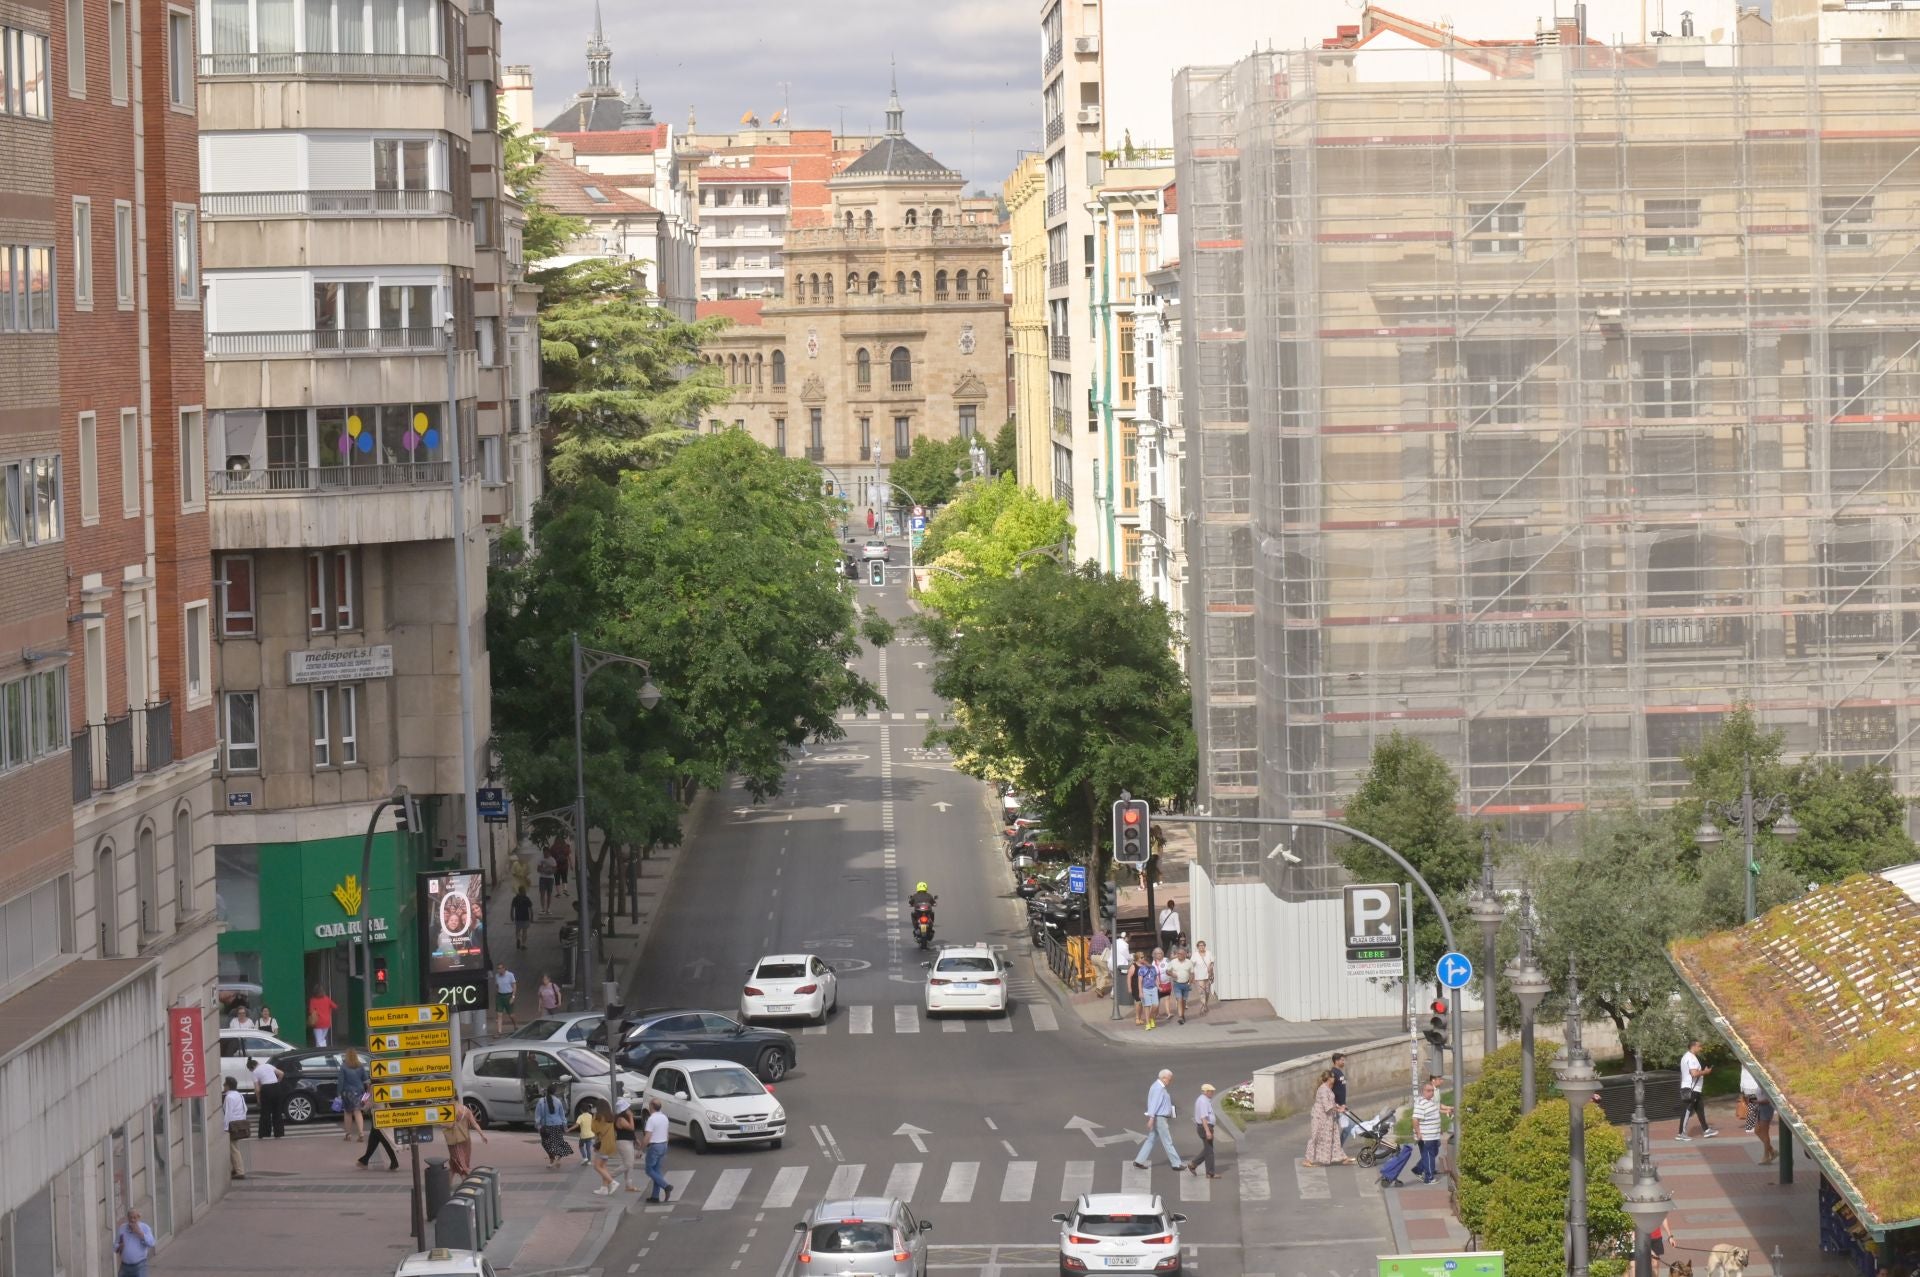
(896, 114)
(600, 59)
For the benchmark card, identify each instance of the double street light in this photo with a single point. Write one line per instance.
(1529, 985)
(1643, 1196)
(1746, 814)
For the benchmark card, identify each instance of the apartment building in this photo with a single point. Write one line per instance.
(1025, 191)
(1159, 451)
(355, 282)
(1548, 401)
(743, 230)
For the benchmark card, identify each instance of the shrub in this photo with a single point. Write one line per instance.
(1525, 1206)
(1490, 1113)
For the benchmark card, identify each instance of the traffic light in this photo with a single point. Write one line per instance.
(877, 572)
(1132, 832)
(1109, 898)
(406, 814)
(380, 974)
(1436, 1031)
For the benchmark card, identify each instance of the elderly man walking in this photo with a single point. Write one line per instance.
(1160, 1123)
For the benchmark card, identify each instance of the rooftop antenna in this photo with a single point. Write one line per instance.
(786, 103)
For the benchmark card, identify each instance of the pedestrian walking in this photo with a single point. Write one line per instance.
(549, 994)
(1759, 1116)
(1343, 1121)
(550, 1119)
(562, 859)
(624, 1134)
(1136, 975)
(1693, 1085)
(1180, 973)
(1162, 986)
(521, 911)
(546, 872)
(320, 1009)
(1160, 1123)
(459, 1139)
(1149, 989)
(1323, 1138)
(1203, 974)
(266, 1023)
(1657, 1240)
(354, 1081)
(605, 1148)
(583, 1134)
(517, 869)
(1203, 1123)
(133, 1243)
(376, 1138)
(1169, 926)
(233, 1112)
(1427, 1112)
(656, 1135)
(266, 1093)
(504, 985)
(1120, 963)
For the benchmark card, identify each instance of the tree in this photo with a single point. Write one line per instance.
(1065, 683)
(926, 476)
(624, 376)
(981, 535)
(1491, 1110)
(1409, 799)
(1526, 1209)
(1005, 451)
(546, 233)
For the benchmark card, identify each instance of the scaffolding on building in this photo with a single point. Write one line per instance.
(1548, 403)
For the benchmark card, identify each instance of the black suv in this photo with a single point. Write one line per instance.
(663, 1034)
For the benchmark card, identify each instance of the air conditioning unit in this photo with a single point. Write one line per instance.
(1086, 44)
(1087, 117)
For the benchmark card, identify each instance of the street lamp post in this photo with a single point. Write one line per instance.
(1579, 1083)
(1746, 812)
(1529, 984)
(1644, 1197)
(1486, 909)
(588, 661)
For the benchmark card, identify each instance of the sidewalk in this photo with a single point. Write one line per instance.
(1330, 1220)
(1241, 1022)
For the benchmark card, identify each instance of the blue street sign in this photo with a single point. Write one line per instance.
(1453, 970)
(1077, 879)
(919, 523)
(491, 802)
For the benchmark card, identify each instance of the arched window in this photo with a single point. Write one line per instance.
(813, 288)
(849, 219)
(873, 282)
(106, 901)
(733, 370)
(937, 219)
(900, 368)
(799, 288)
(853, 278)
(981, 283)
(863, 369)
(960, 284)
(900, 283)
(146, 871)
(866, 219)
(759, 367)
(913, 217)
(827, 279)
(183, 863)
(940, 286)
(916, 283)
(779, 370)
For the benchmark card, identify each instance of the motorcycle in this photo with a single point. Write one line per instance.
(923, 925)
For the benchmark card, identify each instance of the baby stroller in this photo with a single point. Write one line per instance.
(1377, 1143)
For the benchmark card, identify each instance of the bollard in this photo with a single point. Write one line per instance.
(490, 1177)
(454, 1228)
(438, 1185)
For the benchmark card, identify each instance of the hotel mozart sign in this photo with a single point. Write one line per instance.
(339, 664)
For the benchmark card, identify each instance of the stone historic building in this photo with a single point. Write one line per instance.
(893, 326)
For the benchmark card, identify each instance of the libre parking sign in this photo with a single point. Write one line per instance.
(1372, 918)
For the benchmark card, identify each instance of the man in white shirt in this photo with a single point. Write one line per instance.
(1427, 1112)
(273, 1105)
(504, 985)
(1170, 927)
(233, 1110)
(656, 1133)
(1159, 1123)
(1693, 1100)
(1120, 958)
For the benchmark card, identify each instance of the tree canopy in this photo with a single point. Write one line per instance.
(1409, 800)
(1005, 451)
(926, 474)
(982, 535)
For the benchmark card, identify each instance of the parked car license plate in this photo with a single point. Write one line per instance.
(967, 987)
(784, 1006)
(1122, 1261)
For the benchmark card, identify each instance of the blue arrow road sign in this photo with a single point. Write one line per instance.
(1077, 879)
(1454, 970)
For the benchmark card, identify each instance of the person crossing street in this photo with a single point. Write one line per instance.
(1160, 1123)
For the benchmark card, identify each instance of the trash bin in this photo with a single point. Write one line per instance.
(477, 1202)
(455, 1227)
(488, 1178)
(438, 1185)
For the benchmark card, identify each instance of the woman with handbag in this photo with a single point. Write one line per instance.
(354, 1081)
(233, 1111)
(550, 1118)
(460, 1141)
(376, 1138)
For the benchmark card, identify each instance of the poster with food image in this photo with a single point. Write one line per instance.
(453, 921)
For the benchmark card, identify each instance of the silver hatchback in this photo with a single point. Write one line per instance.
(867, 1235)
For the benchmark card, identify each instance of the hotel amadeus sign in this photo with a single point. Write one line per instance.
(340, 664)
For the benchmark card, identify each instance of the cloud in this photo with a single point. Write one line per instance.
(969, 74)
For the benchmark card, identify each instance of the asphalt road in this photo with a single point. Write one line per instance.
(825, 868)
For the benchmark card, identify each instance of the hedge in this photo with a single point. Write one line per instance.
(1525, 1208)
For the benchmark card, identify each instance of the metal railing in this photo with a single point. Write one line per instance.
(1056, 203)
(325, 203)
(1065, 959)
(1060, 347)
(81, 747)
(1055, 127)
(327, 341)
(816, 454)
(539, 401)
(280, 479)
(901, 451)
(118, 733)
(1054, 53)
(1685, 633)
(158, 721)
(899, 387)
(1056, 274)
(866, 452)
(326, 66)
(1062, 422)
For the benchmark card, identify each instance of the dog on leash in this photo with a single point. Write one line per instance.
(1727, 1260)
(1680, 1268)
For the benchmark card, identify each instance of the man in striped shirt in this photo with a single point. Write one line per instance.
(1427, 1111)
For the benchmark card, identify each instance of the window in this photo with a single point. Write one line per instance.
(1493, 230)
(873, 282)
(76, 48)
(960, 285)
(779, 370)
(866, 220)
(26, 288)
(1130, 553)
(940, 286)
(913, 217)
(130, 461)
(1493, 384)
(322, 731)
(492, 460)
(780, 435)
(82, 252)
(26, 71)
(117, 48)
(242, 731)
(235, 585)
(1666, 388)
(30, 491)
(89, 468)
(331, 582)
(815, 430)
(198, 650)
(347, 724)
(969, 421)
(938, 219)
(1672, 216)
(1851, 369)
(900, 283)
(913, 283)
(1129, 471)
(902, 436)
(866, 438)
(402, 164)
(900, 368)
(123, 253)
(33, 718)
(980, 285)
(193, 458)
(180, 59)
(1126, 391)
(1846, 218)
(186, 255)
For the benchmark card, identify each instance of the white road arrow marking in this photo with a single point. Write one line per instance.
(699, 967)
(742, 811)
(915, 1134)
(941, 806)
(836, 808)
(1087, 1128)
(919, 665)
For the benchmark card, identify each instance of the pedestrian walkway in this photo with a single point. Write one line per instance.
(1033, 1014)
(896, 715)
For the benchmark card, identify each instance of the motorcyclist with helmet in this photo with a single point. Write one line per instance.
(920, 911)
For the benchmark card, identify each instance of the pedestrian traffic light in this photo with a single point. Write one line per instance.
(1436, 1031)
(380, 974)
(1131, 832)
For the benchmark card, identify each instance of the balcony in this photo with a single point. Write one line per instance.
(1056, 203)
(1062, 422)
(315, 507)
(300, 343)
(1059, 347)
(538, 400)
(1055, 52)
(901, 387)
(745, 210)
(839, 237)
(901, 451)
(1874, 627)
(1055, 127)
(1687, 634)
(297, 479)
(1056, 274)
(103, 756)
(255, 204)
(1480, 642)
(157, 722)
(816, 453)
(323, 66)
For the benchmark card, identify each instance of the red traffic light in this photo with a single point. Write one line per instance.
(1439, 1006)
(1131, 815)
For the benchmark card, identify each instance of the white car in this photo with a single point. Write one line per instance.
(236, 1045)
(716, 1102)
(968, 977)
(874, 549)
(1119, 1232)
(789, 984)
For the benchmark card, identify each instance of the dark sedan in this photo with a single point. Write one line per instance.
(654, 1037)
(315, 1074)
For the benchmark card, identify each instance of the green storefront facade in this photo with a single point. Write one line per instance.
(289, 910)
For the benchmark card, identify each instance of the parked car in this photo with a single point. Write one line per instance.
(716, 1102)
(502, 1082)
(878, 1236)
(444, 1262)
(573, 1026)
(654, 1037)
(875, 548)
(238, 1045)
(316, 1080)
(1113, 1232)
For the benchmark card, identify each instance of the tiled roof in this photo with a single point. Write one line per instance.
(725, 173)
(742, 311)
(897, 157)
(627, 142)
(600, 114)
(1821, 998)
(572, 190)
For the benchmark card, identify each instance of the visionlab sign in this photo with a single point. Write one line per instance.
(187, 1047)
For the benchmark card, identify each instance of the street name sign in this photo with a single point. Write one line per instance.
(413, 1091)
(422, 1115)
(417, 1040)
(1371, 912)
(405, 1066)
(407, 1017)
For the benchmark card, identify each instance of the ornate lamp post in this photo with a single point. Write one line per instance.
(1485, 908)
(1579, 1083)
(1529, 984)
(1645, 1198)
(1746, 813)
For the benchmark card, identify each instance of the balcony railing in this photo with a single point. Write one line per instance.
(901, 451)
(82, 751)
(158, 721)
(1060, 347)
(538, 399)
(326, 341)
(900, 387)
(1054, 53)
(1062, 421)
(1056, 203)
(815, 453)
(110, 754)
(298, 479)
(1055, 127)
(1685, 633)
(326, 203)
(1056, 274)
(1846, 627)
(962, 236)
(325, 66)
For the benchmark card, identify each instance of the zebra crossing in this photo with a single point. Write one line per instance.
(895, 715)
(1031, 1011)
(957, 1183)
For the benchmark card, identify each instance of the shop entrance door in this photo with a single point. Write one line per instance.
(327, 972)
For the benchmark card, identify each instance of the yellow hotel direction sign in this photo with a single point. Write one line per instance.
(413, 1092)
(411, 1066)
(415, 1040)
(424, 1115)
(406, 1017)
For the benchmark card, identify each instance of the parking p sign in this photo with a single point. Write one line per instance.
(1372, 918)
(1077, 879)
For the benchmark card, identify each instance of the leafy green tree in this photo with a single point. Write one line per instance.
(1065, 682)
(1491, 1110)
(1409, 800)
(1525, 1211)
(1005, 451)
(927, 474)
(982, 535)
(547, 233)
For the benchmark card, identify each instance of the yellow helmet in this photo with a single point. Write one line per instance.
(919, 886)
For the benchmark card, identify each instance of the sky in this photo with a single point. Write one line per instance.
(969, 73)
